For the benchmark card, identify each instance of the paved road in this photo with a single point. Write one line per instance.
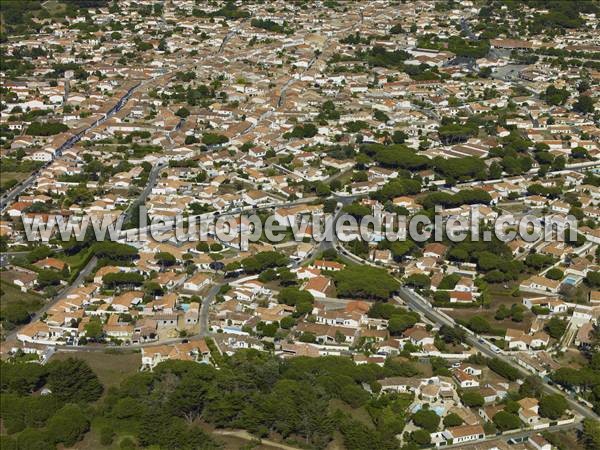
(417, 304)
(87, 269)
(152, 177)
(11, 195)
(205, 308)
(8, 197)
(467, 29)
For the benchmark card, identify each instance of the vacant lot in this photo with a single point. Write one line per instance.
(111, 367)
(11, 294)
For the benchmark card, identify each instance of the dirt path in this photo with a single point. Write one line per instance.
(248, 437)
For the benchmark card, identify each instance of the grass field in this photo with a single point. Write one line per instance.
(12, 294)
(19, 176)
(111, 367)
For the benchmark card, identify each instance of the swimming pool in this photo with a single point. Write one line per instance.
(439, 410)
(571, 280)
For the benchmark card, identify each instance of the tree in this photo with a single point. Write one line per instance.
(365, 281)
(123, 278)
(46, 129)
(555, 96)
(506, 421)
(538, 261)
(452, 335)
(183, 112)
(472, 399)
(426, 419)
(591, 433)
(72, 380)
(264, 260)
(267, 275)
(214, 139)
(114, 251)
(479, 324)
(593, 279)
(555, 274)
(165, 259)
(48, 277)
(32, 438)
(15, 313)
(553, 406)
(418, 280)
(584, 104)
(68, 425)
(420, 437)
(531, 387)
(21, 377)
(556, 327)
(308, 337)
(399, 323)
(452, 420)
(293, 296)
(287, 322)
(398, 137)
(503, 369)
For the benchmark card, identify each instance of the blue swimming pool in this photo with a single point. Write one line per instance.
(439, 410)
(571, 280)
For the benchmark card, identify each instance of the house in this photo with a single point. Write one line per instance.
(192, 313)
(465, 284)
(126, 300)
(318, 286)
(518, 340)
(528, 410)
(418, 335)
(37, 332)
(399, 384)
(327, 265)
(339, 318)
(540, 284)
(195, 350)
(464, 380)
(197, 282)
(461, 297)
(389, 347)
(488, 412)
(538, 442)
(553, 305)
(23, 278)
(329, 334)
(492, 392)
(470, 369)
(435, 250)
(382, 256)
(464, 433)
(50, 263)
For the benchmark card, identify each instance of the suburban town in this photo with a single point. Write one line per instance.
(471, 119)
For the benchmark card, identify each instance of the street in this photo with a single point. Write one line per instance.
(415, 302)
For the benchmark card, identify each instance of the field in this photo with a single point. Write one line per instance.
(110, 366)
(10, 294)
(19, 176)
